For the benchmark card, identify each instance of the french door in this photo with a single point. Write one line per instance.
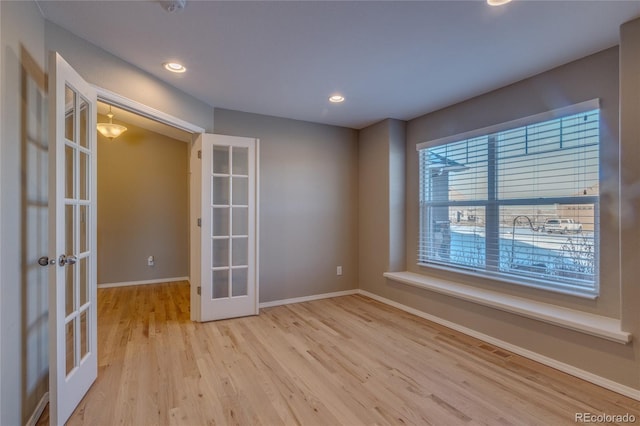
(72, 222)
(229, 278)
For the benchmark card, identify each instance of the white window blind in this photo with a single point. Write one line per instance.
(520, 204)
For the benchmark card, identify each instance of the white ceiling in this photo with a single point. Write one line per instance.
(388, 58)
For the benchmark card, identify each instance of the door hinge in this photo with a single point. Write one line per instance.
(200, 154)
(199, 290)
(200, 222)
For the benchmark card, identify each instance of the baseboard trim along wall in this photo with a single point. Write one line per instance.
(156, 281)
(33, 420)
(550, 362)
(307, 298)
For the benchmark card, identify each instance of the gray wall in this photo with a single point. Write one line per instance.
(308, 203)
(397, 195)
(143, 206)
(373, 204)
(593, 77)
(23, 199)
(381, 200)
(630, 178)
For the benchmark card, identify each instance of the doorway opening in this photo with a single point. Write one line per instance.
(143, 201)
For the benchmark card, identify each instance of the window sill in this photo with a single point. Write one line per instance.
(594, 325)
(519, 281)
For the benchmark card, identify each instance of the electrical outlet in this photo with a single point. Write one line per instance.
(339, 270)
(151, 261)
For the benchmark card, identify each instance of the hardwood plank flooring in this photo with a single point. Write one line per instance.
(343, 361)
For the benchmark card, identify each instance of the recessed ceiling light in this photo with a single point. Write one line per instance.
(174, 67)
(497, 2)
(336, 99)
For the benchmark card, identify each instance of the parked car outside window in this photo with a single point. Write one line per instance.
(562, 226)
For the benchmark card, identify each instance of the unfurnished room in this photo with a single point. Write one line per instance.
(319, 212)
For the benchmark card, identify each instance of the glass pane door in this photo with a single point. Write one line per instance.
(229, 227)
(78, 208)
(72, 275)
(230, 221)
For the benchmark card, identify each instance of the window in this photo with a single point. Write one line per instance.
(517, 202)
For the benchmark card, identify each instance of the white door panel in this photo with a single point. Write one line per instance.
(72, 223)
(229, 227)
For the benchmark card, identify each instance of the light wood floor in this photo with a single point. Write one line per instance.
(343, 361)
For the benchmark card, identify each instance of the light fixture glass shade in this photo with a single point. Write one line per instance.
(110, 130)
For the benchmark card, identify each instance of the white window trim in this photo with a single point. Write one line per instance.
(520, 122)
(584, 322)
(520, 281)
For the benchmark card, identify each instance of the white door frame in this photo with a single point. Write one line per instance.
(146, 111)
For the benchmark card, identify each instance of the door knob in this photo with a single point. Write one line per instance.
(45, 261)
(67, 260)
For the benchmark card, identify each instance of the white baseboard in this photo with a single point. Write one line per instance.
(157, 281)
(566, 368)
(307, 298)
(38, 411)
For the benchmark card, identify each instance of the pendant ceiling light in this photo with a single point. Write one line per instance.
(111, 130)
